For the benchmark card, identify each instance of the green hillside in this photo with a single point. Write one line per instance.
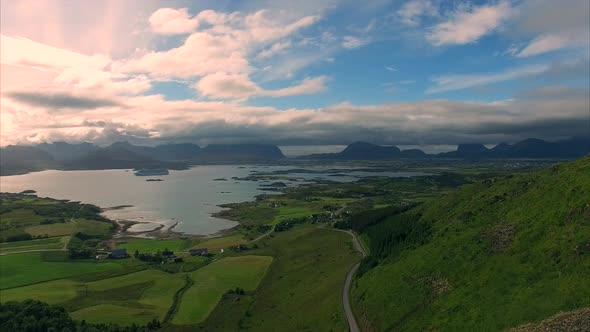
(493, 255)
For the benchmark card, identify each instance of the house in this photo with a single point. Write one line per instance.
(168, 254)
(119, 253)
(199, 252)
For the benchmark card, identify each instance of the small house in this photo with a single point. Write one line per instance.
(199, 252)
(119, 253)
(168, 254)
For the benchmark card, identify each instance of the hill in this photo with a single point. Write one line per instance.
(494, 255)
(367, 151)
(61, 155)
(23, 159)
(528, 148)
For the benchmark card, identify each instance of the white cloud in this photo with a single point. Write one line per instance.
(553, 42)
(353, 42)
(469, 24)
(390, 68)
(62, 69)
(459, 82)
(240, 86)
(412, 11)
(172, 21)
(225, 46)
(275, 49)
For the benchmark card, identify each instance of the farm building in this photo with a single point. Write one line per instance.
(168, 254)
(199, 252)
(118, 253)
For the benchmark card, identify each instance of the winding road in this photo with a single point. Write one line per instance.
(350, 319)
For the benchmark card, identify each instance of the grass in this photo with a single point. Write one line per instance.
(52, 292)
(51, 230)
(213, 280)
(218, 243)
(39, 244)
(147, 294)
(29, 268)
(303, 287)
(153, 245)
(499, 253)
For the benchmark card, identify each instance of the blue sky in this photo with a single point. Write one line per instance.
(322, 72)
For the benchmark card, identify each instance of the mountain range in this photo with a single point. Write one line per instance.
(15, 159)
(529, 148)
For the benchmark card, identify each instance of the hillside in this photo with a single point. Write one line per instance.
(23, 159)
(493, 255)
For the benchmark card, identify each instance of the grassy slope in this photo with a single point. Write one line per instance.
(302, 290)
(458, 281)
(213, 280)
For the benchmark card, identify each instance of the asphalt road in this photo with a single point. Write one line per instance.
(352, 323)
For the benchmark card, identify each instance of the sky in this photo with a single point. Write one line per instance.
(299, 74)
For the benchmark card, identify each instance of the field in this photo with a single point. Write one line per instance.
(215, 244)
(29, 268)
(132, 298)
(213, 280)
(153, 245)
(24, 217)
(302, 291)
(40, 244)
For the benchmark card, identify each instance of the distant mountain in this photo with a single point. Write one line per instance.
(24, 159)
(122, 155)
(367, 151)
(117, 157)
(239, 153)
(62, 151)
(528, 148)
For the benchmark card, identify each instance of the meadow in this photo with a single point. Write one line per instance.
(306, 258)
(215, 279)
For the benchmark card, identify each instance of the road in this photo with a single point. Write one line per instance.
(350, 319)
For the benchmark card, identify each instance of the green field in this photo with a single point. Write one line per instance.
(302, 291)
(147, 294)
(217, 243)
(154, 245)
(48, 243)
(213, 280)
(29, 268)
(53, 292)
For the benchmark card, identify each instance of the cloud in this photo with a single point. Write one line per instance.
(412, 11)
(60, 100)
(459, 82)
(224, 46)
(275, 48)
(27, 63)
(239, 86)
(548, 27)
(468, 24)
(553, 42)
(353, 42)
(436, 121)
(170, 21)
(390, 68)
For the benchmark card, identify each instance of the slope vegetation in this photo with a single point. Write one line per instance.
(494, 255)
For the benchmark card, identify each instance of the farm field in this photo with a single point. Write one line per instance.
(38, 244)
(154, 245)
(29, 268)
(305, 257)
(215, 279)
